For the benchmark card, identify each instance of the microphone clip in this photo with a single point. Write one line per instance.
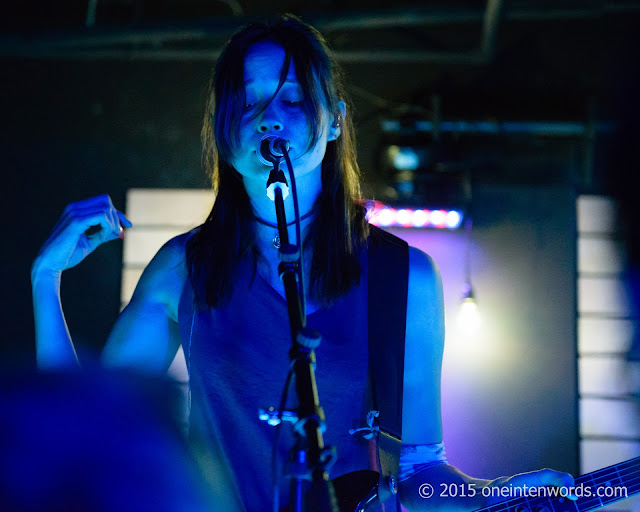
(277, 179)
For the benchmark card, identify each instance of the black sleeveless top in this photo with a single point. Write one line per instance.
(238, 361)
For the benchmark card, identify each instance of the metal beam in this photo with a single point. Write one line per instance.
(168, 54)
(547, 128)
(490, 28)
(155, 43)
(91, 13)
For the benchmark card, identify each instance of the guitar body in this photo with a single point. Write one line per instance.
(351, 488)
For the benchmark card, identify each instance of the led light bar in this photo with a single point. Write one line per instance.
(410, 218)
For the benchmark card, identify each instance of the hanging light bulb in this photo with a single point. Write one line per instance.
(469, 319)
(468, 298)
(469, 316)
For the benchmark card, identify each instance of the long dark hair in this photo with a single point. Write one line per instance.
(339, 228)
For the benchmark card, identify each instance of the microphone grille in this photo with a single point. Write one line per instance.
(270, 149)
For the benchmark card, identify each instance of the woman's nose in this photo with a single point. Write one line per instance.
(267, 126)
(269, 122)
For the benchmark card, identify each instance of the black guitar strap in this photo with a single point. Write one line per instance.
(387, 311)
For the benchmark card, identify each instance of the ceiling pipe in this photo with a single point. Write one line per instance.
(440, 16)
(91, 13)
(490, 22)
(162, 54)
(545, 128)
(99, 43)
(79, 47)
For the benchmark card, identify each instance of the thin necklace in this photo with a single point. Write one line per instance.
(276, 238)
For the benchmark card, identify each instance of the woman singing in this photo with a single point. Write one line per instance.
(217, 292)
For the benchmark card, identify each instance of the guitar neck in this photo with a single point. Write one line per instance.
(594, 490)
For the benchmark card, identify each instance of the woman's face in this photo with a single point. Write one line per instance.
(284, 116)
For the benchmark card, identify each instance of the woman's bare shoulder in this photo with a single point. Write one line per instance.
(164, 277)
(174, 251)
(421, 262)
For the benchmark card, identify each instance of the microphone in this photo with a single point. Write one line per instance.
(270, 150)
(270, 153)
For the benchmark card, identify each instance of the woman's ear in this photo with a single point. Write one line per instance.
(336, 125)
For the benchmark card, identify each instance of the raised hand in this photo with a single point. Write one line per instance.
(82, 227)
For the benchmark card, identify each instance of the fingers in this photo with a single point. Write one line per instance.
(83, 216)
(119, 218)
(83, 226)
(91, 222)
(543, 478)
(558, 479)
(123, 220)
(98, 202)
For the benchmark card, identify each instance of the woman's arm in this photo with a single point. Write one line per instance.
(421, 417)
(424, 347)
(80, 230)
(145, 336)
(54, 349)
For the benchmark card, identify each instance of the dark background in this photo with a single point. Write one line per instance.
(117, 103)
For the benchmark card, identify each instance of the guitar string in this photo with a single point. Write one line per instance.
(632, 468)
(631, 464)
(602, 476)
(582, 505)
(624, 473)
(586, 503)
(599, 477)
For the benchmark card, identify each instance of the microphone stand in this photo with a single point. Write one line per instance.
(309, 458)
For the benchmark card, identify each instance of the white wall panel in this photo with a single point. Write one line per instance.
(600, 255)
(604, 335)
(130, 277)
(605, 376)
(141, 245)
(597, 453)
(610, 418)
(609, 425)
(596, 214)
(169, 207)
(607, 296)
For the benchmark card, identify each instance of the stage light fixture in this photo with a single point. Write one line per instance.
(387, 216)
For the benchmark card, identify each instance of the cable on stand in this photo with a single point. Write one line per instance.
(309, 460)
